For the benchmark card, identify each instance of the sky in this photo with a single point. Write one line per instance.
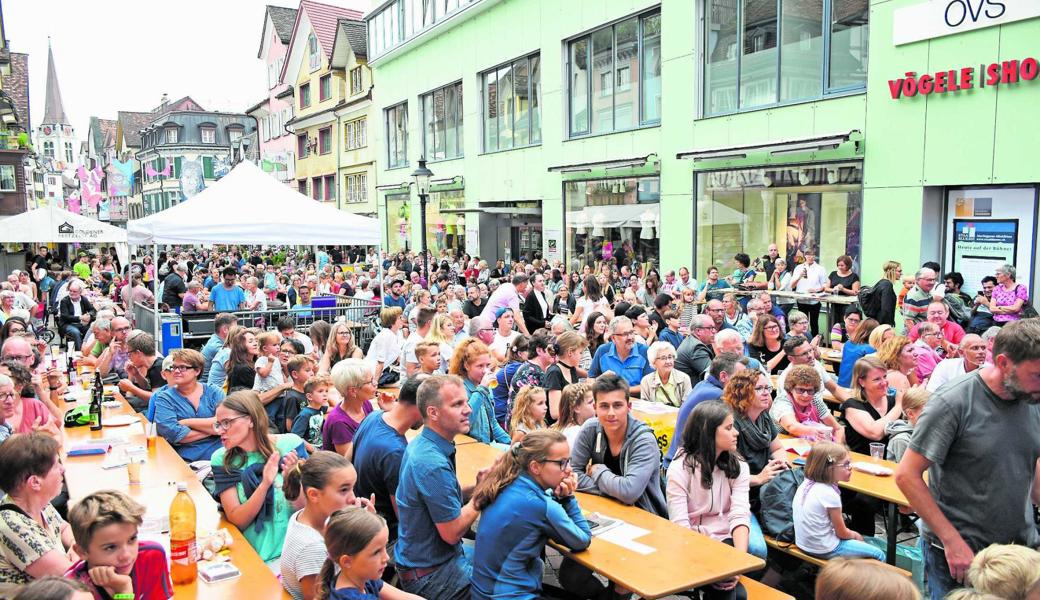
(114, 55)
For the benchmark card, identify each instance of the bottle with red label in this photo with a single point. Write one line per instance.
(183, 567)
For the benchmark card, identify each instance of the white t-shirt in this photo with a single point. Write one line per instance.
(813, 530)
(586, 307)
(946, 370)
(386, 348)
(501, 343)
(815, 277)
(303, 554)
(409, 348)
(571, 433)
(260, 298)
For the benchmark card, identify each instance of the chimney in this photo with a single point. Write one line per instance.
(165, 100)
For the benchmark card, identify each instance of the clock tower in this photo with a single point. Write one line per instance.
(55, 140)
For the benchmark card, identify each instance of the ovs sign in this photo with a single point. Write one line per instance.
(937, 18)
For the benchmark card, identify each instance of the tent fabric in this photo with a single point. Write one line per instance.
(53, 224)
(248, 206)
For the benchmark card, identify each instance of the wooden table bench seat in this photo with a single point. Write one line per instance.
(800, 554)
(757, 590)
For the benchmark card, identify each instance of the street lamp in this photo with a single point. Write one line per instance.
(422, 177)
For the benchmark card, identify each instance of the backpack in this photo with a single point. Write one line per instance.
(959, 311)
(869, 298)
(776, 514)
(1027, 311)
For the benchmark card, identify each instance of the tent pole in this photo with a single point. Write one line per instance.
(382, 284)
(155, 295)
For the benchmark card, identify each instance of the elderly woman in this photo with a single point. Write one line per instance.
(29, 414)
(387, 347)
(799, 325)
(354, 380)
(926, 350)
(665, 384)
(1008, 297)
(801, 411)
(898, 356)
(34, 539)
(184, 409)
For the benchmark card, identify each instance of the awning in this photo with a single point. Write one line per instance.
(613, 215)
(779, 148)
(623, 163)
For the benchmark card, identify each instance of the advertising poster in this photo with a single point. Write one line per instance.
(803, 227)
(979, 247)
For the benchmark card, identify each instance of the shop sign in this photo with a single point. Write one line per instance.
(937, 18)
(1008, 72)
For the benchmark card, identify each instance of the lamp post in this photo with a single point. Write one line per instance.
(422, 177)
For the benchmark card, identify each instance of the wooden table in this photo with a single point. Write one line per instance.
(876, 486)
(797, 296)
(682, 560)
(159, 475)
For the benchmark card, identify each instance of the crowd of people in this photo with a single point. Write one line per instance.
(310, 459)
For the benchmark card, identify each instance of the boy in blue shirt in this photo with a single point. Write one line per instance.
(309, 422)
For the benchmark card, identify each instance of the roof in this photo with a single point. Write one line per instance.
(131, 124)
(283, 19)
(357, 36)
(324, 20)
(53, 109)
(185, 103)
(104, 132)
(17, 87)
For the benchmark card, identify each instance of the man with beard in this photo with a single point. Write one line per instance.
(979, 439)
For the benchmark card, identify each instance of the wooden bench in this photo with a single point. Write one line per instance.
(760, 591)
(800, 554)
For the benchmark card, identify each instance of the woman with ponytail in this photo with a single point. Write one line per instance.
(355, 540)
(518, 518)
(323, 484)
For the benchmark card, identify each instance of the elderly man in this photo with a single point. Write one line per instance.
(972, 356)
(977, 438)
(508, 296)
(746, 326)
(175, 287)
(696, 352)
(18, 349)
(915, 304)
(952, 333)
(482, 329)
(623, 355)
(113, 358)
(722, 368)
(256, 299)
(772, 309)
(458, 322)
(75, 314)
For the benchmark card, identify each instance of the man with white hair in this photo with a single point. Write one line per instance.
(75, 314)
(256, 299)
(482, 329)
(458, 321)
(915, 304)
(623, 355)
(175, 287)
(696, 352)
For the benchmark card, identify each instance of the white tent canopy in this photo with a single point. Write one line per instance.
(248, 206)
(53, 224)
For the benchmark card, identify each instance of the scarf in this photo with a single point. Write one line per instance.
(250, 478)
(755, 436)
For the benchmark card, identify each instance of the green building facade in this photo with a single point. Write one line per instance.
(678, 133)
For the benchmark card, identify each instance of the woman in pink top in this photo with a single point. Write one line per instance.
(29, 413)
(925, 349)
(1008, 297)
(708, 486)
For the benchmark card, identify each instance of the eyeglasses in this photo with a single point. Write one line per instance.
(665, 358)
(180, 368)
(847, 465)
(18, 357)
(343, 332)
(563, 463)
(625, 333)
(225, 424)
(763, 389)
(7, 396)
(120, 329)
(804, 391)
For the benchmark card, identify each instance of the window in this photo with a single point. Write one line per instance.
(330, 188)
(357, 187)
(234, 134)
(397, 135)
(314, 56)
(619, 218)
(766, 52)
(442, 122)
(207, 167)
(171, 135)
(48, 149)
(356, 84)
(356, 133)
(209, 135)
(305, 95)
(401, 20)
(324, 88)
(325, 140)
(614, 76)
(301, 186)
(301, 145)
(316, 188)
(512, 104)
(68, 152)
(8, 180)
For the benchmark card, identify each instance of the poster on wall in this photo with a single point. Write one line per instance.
(552, 240)
(979, 247)
(803, 227)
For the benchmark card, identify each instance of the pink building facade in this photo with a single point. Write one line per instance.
(277, 146)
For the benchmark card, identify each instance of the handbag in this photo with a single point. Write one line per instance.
(389, 377)
(1028, 311)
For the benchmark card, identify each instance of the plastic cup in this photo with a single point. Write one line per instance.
(877, 451)
(133, 471)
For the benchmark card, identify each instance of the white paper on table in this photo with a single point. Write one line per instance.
(653, 408)
(624, 535)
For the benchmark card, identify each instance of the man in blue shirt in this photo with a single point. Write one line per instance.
(394, 298)
(303, 302)
(379, 446)
(221, 326)
(722, 368)
(430, 559)
(623, 355)
(228, 296)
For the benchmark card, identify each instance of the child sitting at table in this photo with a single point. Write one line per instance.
(819, 528)
(861, 579)
(114, 563)
(54, 588)
(356, 543)
(529, 410)
(900, 431)
(1006, 571)
(311, 419)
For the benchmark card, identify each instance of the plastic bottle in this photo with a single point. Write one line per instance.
(183, 567)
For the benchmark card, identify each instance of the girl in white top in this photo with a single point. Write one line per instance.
(591, 300)
(323, 483)
(504, 335)
(576, 406)
(781, 282)
(819, 528)
(388, 345)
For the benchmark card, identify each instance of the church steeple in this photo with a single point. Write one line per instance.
(54, 110)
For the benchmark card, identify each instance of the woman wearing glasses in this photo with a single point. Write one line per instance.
(185, 408)
(508, 556)
(767, 344)
(248, 470)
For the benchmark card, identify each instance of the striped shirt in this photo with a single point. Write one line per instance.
(302, 555)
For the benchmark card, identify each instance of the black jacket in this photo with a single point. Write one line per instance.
(66, 314)
(534, 316)
(693, 358)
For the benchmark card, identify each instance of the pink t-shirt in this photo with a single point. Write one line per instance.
(505, 296)
(1005, 297)
(951, 332)
(926, 359)
(32, 409)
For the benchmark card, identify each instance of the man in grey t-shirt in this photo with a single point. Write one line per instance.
(979, 440)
